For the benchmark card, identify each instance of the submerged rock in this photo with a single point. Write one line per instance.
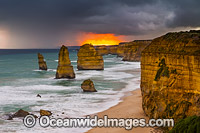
(89, 59)
(88, 86)
(45, 113)
(64, 69)
(41, 62)
(38, 95)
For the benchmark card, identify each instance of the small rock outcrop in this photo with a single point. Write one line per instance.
(88, 86)
(41, 62)
(64, 69)
(20, 113)
(89, 59)
(45, 113)
(170, 76)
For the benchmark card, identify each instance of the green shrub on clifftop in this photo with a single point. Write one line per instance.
(188, 125)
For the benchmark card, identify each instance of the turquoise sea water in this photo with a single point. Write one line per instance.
(21, 81)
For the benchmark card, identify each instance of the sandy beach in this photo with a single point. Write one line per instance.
(130, 107)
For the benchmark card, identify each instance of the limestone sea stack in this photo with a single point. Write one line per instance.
(88, 86)
(41, 62)
(89, 59)
(64, 69)
(170, 76)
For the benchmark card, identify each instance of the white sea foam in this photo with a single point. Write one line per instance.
(69, 99)
(37, 70)
(51, 70)
(57, 61)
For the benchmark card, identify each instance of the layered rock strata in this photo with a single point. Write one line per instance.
(104, 50)
(129, 51)
(64, 69)
(133, 50)
(89, 59)
(170, 76)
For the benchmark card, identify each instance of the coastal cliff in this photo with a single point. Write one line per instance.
(89, 59)
(133, 50)
(129, 51)
(42, 64)
(170, 76)
(64, 69)
(104, 50)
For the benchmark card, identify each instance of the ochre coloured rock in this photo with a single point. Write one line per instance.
(88, 86)
(41, 62)
(129, 51)
(45, 113)
(20, 113)
(64, 69)
(170, 76)
(89, 59)
(133, 50)
(104, 50)
(112, 49)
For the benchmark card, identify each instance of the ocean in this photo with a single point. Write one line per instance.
(21, 81)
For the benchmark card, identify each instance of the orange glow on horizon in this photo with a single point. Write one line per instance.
(101, 39)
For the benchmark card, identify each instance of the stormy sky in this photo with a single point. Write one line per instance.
(50, 23)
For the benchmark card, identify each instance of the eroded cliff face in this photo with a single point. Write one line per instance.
(170, 76)
(42, 64)
(129, 51)
(134, 50)
(89, 59)
(112, 49)
(64, 69)
(104, 50)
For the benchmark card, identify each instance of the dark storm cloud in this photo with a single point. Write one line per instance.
(49, 21)
(187, 13)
